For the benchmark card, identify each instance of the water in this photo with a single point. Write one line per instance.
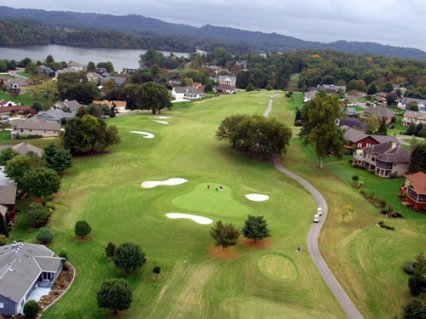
(120, 58)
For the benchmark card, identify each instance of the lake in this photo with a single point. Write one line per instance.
(120, 58)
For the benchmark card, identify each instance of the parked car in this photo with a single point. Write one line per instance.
(319, 211)
(316, 218)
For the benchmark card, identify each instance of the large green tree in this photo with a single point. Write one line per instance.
(7, 154)
(88, 135)
(114, 294)
(37, 215)
(148, 96)
(418, 159)
(319, 127)
(56, 157)
(42, 182)
(129, 256)
(17, 167)
(75, 86)
(225, 234)
(256, 228)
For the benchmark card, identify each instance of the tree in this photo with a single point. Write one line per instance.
(36, 106)
(56, 157)
(411, 129)
(44, 235)
(417, 283)
(250, 87)
(37, 215)
(372, 89)
(372, 123)
(298, 117)
(91, 67)
(110, 250)
(413, 106)
(415, 310)
(382, 128)
(82, 229)
(114, 294)
(149, 96)
(42, 182)
(129, 257)
(17, 167)
(391, 98)
(225, 234)
(88, 135)
(418, 159)
(4, 229)
(47, 90)
(31, 309)
(6, 155)
(156, 270)
(387, 87)
(228, 128)
(319, 127)
(256, 228)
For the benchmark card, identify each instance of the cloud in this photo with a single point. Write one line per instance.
(394, 22)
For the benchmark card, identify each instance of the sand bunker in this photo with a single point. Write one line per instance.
(257, 197)
(161, 122)
(163, 117)
(168, 182)
(197, 219)
(145, 134)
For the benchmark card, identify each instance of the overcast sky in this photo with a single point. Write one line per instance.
(394, 22)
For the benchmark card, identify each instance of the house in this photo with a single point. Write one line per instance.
(23, 149)
(406, 101)
(414, 190)
(4, 103)
(359, 139)
(333, 89)
(15, 85)
(70, 106)
(385, 160)
(17, 110)
(35, 127)
(382, 97)
(120, 106)
(354, 123)
(225, 89)
(42, 69)
(55, 115)
(381, 112)
(25, 267)
(65, 70)
(351, 112)
(413, 117)
(227, 80)
(76, 66)
(174, 83)
(8, 201)
(129, 71)
(310, 94)
(94, 77)
(198, 86)
(118, 80)
(186, 93)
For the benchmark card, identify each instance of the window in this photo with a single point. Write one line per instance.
(1, 305)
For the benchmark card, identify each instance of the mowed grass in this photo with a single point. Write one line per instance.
(198, 280)
(367, 260)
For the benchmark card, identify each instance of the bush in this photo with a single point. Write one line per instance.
(110, 250)
(355, 178)
(415, 310)
(410, 267)
(82, 228)
(383, 225)
(44, 235)
(416, 283)
(3, 240)
(63, 254)
(129, 257)
(156, 270)
(37, 215)
(31, 309)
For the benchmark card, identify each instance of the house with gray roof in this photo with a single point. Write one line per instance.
(8, 201)
(55, 115)
(23, 149)
(382, 113)
(405, 102)
(384, 160)
(228, 80)
(23, 268)
(69, 106)
(411, 117)
(357, 139)
(35, 127)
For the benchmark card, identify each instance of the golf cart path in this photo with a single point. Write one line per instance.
(345, 302)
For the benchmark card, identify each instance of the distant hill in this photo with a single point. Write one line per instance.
(137, 24)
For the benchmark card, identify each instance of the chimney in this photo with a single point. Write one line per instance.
(393, 145)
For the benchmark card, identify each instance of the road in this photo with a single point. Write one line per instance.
(313, 247)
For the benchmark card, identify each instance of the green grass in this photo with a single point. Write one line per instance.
(364, 99)
(197, 279)
(367, 260)
(24, 74)
(4, 136)
(24, 99)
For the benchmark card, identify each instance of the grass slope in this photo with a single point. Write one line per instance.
(197, 280)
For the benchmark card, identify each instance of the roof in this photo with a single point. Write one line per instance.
(379, 111)
(7, 194)
(187, 90)
(19, 81)
(408, 100)
(55, 115)
(71, 105)
(17, 109)
(23, 148)
(118, 80)
(36, 124)
(20, 267)
(225, 87)
(415, 115)
(225, 77)
(353, 123)
(388, 152)
(353, 135)
(418, 180)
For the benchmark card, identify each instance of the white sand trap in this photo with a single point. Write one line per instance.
(168, 182)
(257, 197)
(197, 219)
(161, 122)
(145, 134)
(163, 117)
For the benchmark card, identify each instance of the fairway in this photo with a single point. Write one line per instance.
(197, 280)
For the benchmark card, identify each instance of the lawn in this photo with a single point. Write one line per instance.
(4, 136)
(367, 260)
(23, 99)
(198, 280)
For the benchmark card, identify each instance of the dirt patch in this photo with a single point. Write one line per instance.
(257, 244)
(225, 253)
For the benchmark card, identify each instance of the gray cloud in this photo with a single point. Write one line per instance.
(394, 22)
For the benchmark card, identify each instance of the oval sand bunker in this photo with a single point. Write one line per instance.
(277, 267)
(257, 197)
(167, 182)
(198, 219)
(145, 134)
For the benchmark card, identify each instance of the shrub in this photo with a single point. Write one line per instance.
(129, 257)
(355, 178)
(3, 240)
(383, 225)
(63, 254)
(415, 310)
(156, 270)
(110, 249)
(410, 267)
(115, 294)
(44, 235)
(416, 283)
(37, 215)
(82, 228)
(31, 309)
